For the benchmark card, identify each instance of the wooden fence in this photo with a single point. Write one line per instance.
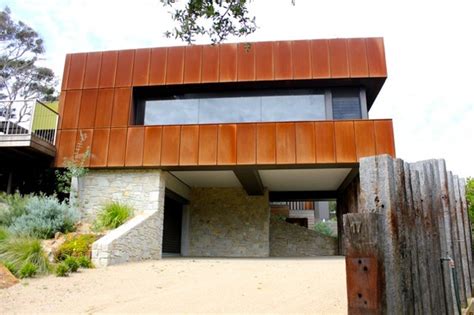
(408, 247)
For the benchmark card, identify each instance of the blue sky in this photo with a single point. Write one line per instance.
(429, 49)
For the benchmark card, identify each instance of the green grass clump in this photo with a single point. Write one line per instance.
(323, 228)
(75, 246)
(16, 252)
(11, 267)
(112, 215)
(85, 262)
(13, 206)
(28, 270)
(4, 234)
(62, 270)
(72, 264)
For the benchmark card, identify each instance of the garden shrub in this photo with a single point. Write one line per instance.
(10, 266)
(3, 233)
(85, 262)
(11, 207)
(71, 263)
(323, 228)
(76, 246)
(112, 215)
(16, 252)
(28, 270)
(62, 270)
(44, 216)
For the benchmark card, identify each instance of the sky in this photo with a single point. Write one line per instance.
(429, 48)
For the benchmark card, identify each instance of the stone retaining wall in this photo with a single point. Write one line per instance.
(290, 240)
(226, 222)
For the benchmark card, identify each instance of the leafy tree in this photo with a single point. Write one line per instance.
(217, 19)
(21, 79)
(470, 197)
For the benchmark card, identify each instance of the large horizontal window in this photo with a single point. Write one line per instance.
(287, 105)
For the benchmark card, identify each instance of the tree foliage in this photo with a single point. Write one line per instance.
(217, 19)
(470, 197)
(21, 79)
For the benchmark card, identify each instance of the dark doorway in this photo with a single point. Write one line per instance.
(172, 226)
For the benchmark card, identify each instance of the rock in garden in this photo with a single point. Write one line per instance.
(6, 278)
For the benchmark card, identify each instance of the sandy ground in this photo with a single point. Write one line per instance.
(179, 285)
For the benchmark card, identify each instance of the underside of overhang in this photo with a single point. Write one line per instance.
(283, 184)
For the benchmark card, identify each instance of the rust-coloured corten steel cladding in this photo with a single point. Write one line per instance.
(96, 99)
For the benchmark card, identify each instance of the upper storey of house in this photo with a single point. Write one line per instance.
(265, 103)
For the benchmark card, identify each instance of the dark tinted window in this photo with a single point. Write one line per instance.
(346, 104)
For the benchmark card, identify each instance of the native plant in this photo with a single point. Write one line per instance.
(323, 228)
(470, 197)
(12, 206)
(17, 252)
(44, 216)
(75, 246)
(112, 215)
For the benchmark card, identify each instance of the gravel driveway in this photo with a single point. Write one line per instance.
(184, 285)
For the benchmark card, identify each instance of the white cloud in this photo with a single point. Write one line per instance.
(429, 52)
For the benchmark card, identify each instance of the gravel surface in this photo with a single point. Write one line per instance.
(186, 285)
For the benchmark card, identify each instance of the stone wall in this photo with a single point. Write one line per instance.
(141, 237)
(308, 214)
(138, 188)
(290, 240)
(226, 222)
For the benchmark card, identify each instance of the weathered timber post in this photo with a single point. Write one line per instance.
(467, 226)
(456, 243)
(364, 264)
(377, 194)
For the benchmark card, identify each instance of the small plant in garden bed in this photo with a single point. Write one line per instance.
(112, 215)
(44, 216)
(323, 228)
(28, 270)
(62, 270)
(76, 246)
(85, 262)
(16, 252)
(71, 263)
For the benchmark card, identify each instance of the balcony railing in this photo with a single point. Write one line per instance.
(28, 117)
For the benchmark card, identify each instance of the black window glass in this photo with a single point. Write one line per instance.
(346, 104)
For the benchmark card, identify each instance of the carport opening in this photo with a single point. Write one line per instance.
(172, 222)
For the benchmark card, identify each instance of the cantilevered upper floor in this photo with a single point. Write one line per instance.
(287, 104)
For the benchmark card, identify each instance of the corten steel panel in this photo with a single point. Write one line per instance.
(285, 143)
(320, 59)
(305, 143)
(192, 64)
(84, 144)
(324, 138)
(87, 111)
(345, 141)
(124, 68)
(141, 67)
(100, 144)
(103, 111)
(384, 142)
(266, 143)
(134, 152)
(338, 58)
(189, 148)
(246, 143)
(246, 62)
(301, 54)
(108, 69)
(362, 285)
(364, 138)
(67, 64)
(175, 65)
(228, 63)
(66, 141)
(376, 57)
(358, 58)
(117, 145)
(158, 66)
(282, 60)
(152, 146)
(91, 76)
(227, 144)
(210, 64)
(121, 108)
(264, 60)
(72, 102)
(207, 145)
(170, 145)
(76, 71)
